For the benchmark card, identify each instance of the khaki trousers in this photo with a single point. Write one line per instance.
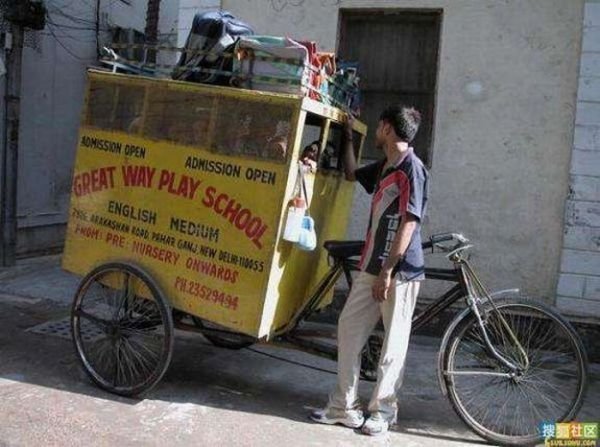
(356, 323)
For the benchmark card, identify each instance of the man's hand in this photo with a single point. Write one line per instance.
(381, 286)
(399, 246)
(348, 125)
(349, 158)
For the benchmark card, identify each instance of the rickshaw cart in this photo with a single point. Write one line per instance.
(179, 200)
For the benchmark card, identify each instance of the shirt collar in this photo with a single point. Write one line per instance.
(398, 162)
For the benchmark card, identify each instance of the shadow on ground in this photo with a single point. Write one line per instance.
(209, 395)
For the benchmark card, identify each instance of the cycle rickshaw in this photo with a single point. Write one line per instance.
(179, 201)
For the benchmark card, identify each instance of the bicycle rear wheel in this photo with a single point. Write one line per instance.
(122, 329)
(507, 407)
(370, 358)
(221, 336)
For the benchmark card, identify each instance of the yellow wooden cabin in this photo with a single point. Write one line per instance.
(193, 183)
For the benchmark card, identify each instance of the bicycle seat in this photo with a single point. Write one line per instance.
(344, 249)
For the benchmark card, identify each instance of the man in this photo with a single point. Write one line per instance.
(392, 267)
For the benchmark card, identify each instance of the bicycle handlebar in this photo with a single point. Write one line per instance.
(437, 239)
(348, 249)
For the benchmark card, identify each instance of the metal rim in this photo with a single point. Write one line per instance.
(135, 348)
(370, 357)
(556, 356)
(221, 336)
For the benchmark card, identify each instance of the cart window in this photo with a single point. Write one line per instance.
(253, 128)
(100, 104)
(311, 140)
(313, 129)
(115, 107)
(179, 116)
(330, 157)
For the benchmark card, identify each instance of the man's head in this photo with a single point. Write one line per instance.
(398, 123)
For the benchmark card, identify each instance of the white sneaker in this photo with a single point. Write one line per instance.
(331, 416)
(377, 425)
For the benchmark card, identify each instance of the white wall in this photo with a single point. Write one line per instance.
(54, 78)
(187, 10)
(129, 14)
(501, 161)
(579, 282)
(168, 29)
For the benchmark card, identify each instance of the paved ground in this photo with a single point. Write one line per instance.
(209, 396)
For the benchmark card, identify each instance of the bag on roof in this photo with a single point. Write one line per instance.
(271, 63)
(209, 48)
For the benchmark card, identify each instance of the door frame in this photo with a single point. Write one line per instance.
(383, 12)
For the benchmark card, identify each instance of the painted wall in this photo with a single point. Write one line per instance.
(187, 10)
(52, 96)
(168, 33)
(579, 282)
(501, 158)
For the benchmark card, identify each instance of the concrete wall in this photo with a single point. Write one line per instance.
(187, 10)
(168, 30)
(126, 14)
(52, 96)
(501, 159)
(52, 91)
(579, 282)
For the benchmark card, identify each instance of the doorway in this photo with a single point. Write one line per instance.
(398, 53)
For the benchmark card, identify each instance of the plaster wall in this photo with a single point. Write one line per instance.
(501, 157)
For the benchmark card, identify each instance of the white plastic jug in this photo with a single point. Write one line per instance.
(293, 223)
(307, 238)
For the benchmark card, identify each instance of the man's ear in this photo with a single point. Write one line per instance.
(387, 128)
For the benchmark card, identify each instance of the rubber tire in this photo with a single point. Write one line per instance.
(222, 342)
(482, 431)
(369, 363)
(166, 315)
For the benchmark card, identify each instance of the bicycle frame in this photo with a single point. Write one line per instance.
(466, 285)
(477, 292)
(346, 266)
(291, 336)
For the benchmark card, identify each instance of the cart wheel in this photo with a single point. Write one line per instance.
(221, 336)
(122, 329)
(370, 358)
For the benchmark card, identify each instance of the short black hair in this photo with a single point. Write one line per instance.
(404, 119)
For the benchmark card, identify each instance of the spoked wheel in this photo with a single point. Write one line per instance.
(221, 336)
(504, 405)
(122, 329)
(370, 358)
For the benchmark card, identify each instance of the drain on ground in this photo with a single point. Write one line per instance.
(62, 329)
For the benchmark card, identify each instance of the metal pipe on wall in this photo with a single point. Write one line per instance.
(151, 31)
(10, 149)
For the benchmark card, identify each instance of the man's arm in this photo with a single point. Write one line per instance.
(399, 246)
(349, 158)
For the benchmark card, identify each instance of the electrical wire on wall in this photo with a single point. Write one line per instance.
(64, 27)
(68, 20)
(98, 28)
(62, 45)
